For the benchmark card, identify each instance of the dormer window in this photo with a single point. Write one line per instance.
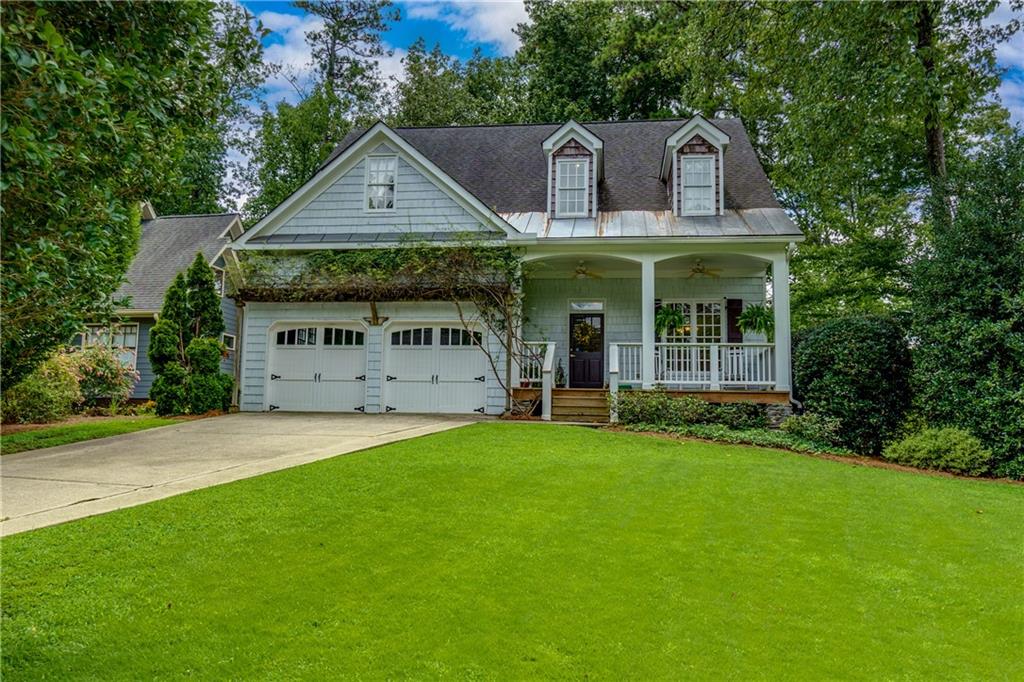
(698, 185)
(572, 188)
(381, 175)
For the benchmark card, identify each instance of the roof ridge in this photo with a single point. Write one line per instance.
(560, 123)
(196, 215)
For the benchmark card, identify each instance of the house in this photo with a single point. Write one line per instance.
(168, 245)
(614, 220)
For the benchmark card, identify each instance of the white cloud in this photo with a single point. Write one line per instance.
(1010, 56)
(482, 22)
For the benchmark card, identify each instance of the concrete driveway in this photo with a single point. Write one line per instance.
(44, 487)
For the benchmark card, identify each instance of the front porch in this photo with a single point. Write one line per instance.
(592, 323)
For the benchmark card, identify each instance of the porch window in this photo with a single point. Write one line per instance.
(381, 172)
(703, 322)
(572, 188)
(698, 185)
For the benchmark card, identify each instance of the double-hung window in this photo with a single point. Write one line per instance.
(698, 185)
(572, 188)
(381, 175)
(124, 340)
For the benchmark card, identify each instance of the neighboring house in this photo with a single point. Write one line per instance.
(615, 219)
(168, 246)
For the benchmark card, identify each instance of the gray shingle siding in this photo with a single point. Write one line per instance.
(420, 206)
(142, 366)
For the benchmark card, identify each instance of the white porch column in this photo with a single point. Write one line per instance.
(647, 322)
(780, 303)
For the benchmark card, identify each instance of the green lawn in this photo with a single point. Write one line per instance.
(516, 551)
(62, 434)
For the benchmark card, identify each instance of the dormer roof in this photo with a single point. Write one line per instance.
(579, 132)
(698, 125)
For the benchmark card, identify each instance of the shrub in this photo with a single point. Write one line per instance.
(209, 392)
(813, 427)
(48, 394)
(857, 371)
(656, 406)
(168, 391)
(768, 438)
(204, 355)
(102, 376)
(945, 449)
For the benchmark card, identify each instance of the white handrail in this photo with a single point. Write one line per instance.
(532, 362)
(613, 380)
(547, 382)
(710, 366)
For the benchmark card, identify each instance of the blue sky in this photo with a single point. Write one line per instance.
(462, 26)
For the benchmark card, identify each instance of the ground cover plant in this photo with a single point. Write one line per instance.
(62, 434)
(511, 550)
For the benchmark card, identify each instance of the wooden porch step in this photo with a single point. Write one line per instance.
(579, 391)
(578, 419)
(579, 401)
(562, 412)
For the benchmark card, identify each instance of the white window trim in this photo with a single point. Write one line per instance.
(223, 339)
(108, 336)
(586, 187)
(366, 184)
(723, 332)
(219, 274)
(682, 184)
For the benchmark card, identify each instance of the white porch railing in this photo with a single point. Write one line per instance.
(537, 365)
(532, 362)
(711, 366)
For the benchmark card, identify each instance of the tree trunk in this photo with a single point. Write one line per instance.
(935, 144)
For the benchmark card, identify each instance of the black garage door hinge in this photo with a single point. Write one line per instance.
(361, 377)
(388, 408)
(361, 408)
(480, 378)
(274, 407)
(275, 376)
(479, 409)
(391, 378)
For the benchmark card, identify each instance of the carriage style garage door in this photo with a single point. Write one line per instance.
(434, 368)
(318, 368)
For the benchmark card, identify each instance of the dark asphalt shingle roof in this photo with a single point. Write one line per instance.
(168, 246)
(505, 166)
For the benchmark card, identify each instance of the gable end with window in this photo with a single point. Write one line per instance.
(575, 159)
(693, 168)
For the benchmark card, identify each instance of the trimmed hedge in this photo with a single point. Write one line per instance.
(767, 438)
(656, 406)
(947, 449)
(855, 370)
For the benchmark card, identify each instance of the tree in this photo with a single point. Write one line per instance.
(97, 101)
(968, 312)
(439, 90)
(185, 347)
(290, 141)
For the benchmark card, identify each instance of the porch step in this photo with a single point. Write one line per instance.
(579, 401)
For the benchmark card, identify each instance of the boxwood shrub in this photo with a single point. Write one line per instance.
(855, 370)
(657, 406)
(946, 449)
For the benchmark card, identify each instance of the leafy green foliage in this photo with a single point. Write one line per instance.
(968, 313)
(657, 406)
(813, 427)
(101, 102)
(752, 435)
(668, 319)
(53, 436)
(439, 90)
(758, 319)
(857, 371)
(102, 377)
(185, 347)
(946, 449)
(169, 390)
(48, 394)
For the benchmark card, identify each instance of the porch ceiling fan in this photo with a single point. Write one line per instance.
(701, 270)
(583, 272)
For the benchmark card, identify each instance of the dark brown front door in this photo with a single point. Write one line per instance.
(586, 350)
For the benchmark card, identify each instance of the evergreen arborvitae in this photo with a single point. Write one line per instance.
(207, 320)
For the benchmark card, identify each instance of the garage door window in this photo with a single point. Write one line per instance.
(297, 337)
(452, 336)
(413, 337)
(342, 337)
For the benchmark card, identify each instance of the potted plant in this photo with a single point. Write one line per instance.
(758, 319)
(668, 319)
(559, 375)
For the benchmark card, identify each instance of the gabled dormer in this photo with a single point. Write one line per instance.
(693, 168)
(575, 166)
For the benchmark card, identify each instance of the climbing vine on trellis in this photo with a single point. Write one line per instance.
(484, 282)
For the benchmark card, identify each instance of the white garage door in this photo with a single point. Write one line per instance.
(436, 368)
(318, 369)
